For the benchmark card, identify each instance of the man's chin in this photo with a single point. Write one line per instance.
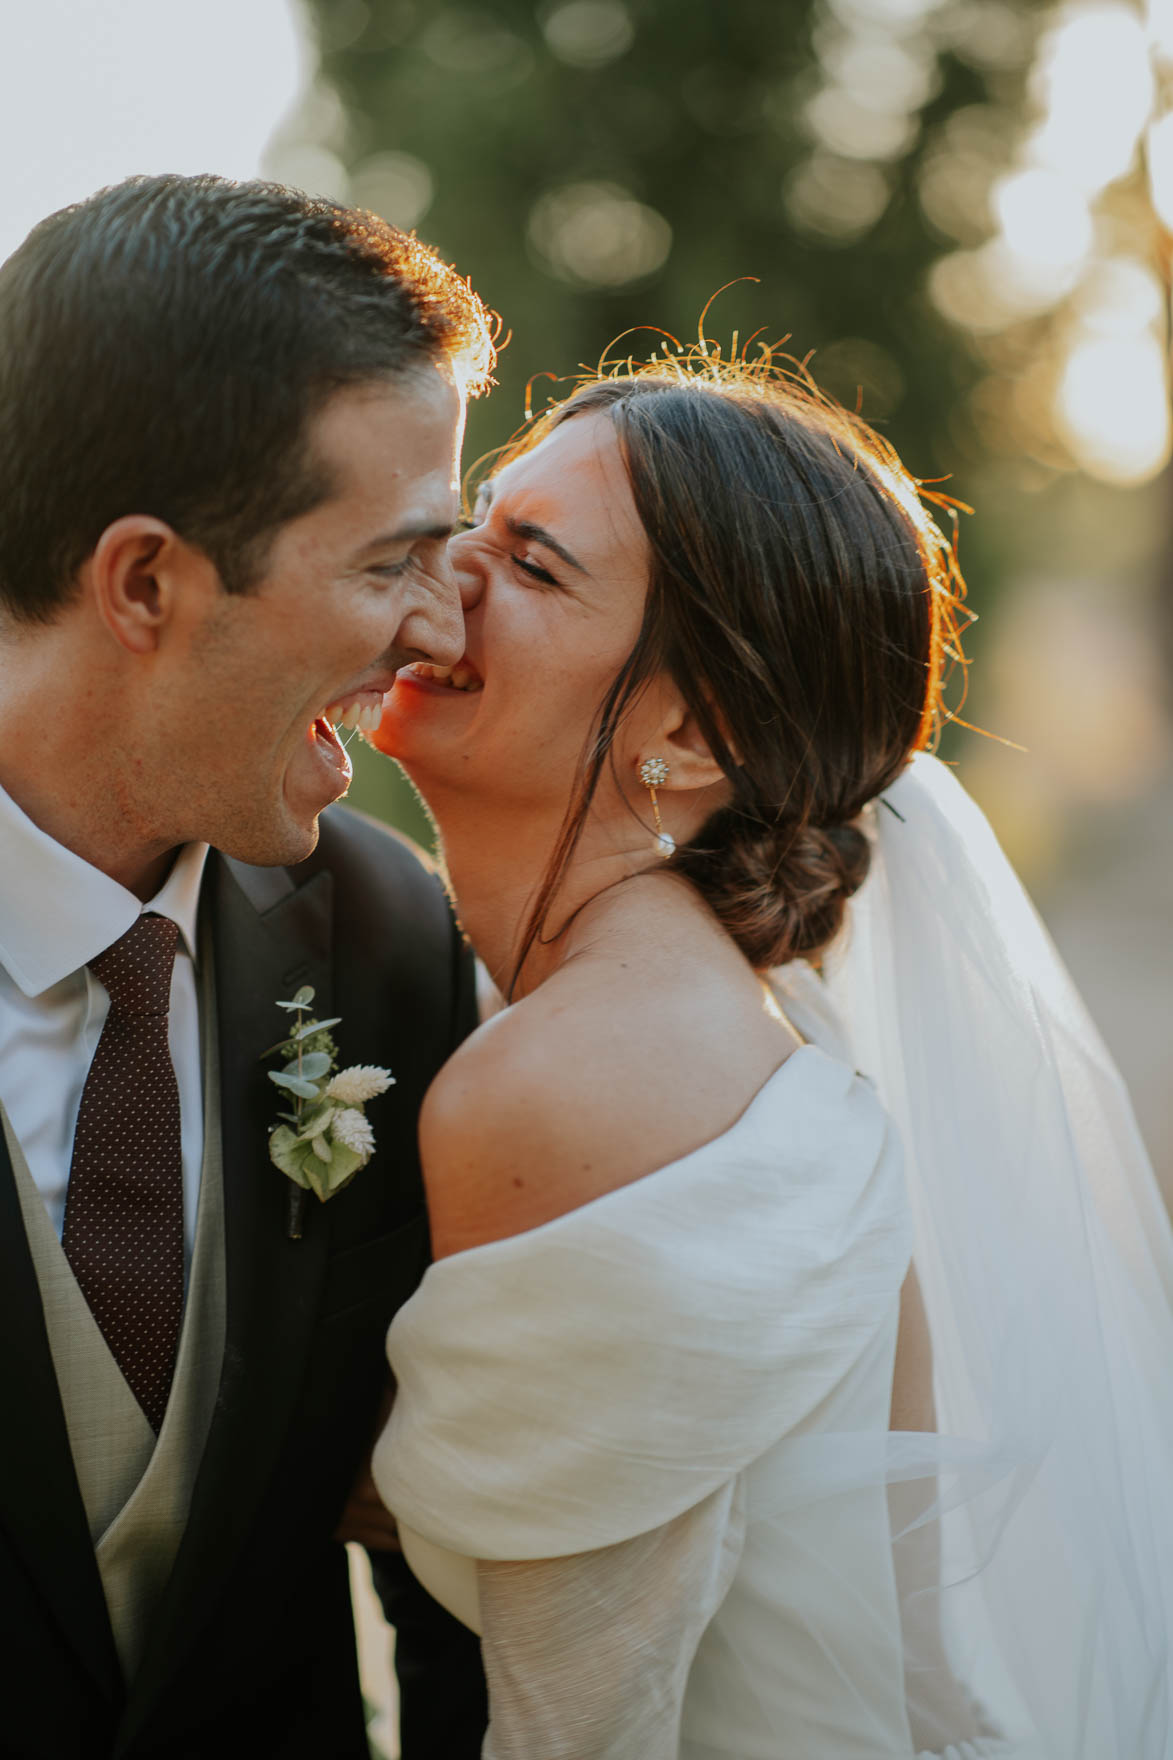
(295, 847)
(277, 840)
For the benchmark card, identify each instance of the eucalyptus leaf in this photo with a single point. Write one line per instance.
(287, 1154)
(302, 999)
(311, 1027)
(305, 1090)
(312, 1067)
(315, 1122)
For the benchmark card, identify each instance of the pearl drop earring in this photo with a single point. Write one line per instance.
(653, 773)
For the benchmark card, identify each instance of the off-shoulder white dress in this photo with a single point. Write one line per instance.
(678, 1396)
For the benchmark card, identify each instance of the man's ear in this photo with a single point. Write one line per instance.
(134, 577)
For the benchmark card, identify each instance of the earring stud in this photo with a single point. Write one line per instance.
(653, 773)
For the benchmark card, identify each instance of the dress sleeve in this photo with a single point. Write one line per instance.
(566, 1389)
(587, 1657)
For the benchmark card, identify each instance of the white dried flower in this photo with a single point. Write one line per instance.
(359, 1083)
(351, 1128)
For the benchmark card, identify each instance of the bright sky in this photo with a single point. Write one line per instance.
(92, 91)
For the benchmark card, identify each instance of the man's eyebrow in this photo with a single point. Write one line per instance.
(408, 534)
(524, 528)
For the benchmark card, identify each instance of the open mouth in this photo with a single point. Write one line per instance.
(461, 677)
(361, 710)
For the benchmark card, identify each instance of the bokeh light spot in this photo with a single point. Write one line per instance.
(1114, 409)
(396, 186)
(855, 370)
(1159, 149)
(465, 42)
(1094, 83)
(837, 198)
(307, 166)
(589, 33)
(598, 235)
(1044, 218)
(848, 125)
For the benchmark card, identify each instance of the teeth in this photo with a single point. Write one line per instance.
(460, 677)
(364, 716)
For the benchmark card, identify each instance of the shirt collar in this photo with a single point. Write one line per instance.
(57, 912)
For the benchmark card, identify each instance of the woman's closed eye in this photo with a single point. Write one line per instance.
(523, 561)
(535, 570)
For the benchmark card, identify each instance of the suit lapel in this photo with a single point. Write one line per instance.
(40, 1503)
(268, 937)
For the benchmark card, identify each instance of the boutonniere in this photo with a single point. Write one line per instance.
(325, 1137)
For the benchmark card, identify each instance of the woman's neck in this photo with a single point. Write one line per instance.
(497, 863)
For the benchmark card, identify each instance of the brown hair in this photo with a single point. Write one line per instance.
(164, 348)
(804, 601)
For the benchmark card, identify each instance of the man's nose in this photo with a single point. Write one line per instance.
(445, 636)
(434, 627)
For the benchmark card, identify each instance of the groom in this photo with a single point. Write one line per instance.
(229, 427)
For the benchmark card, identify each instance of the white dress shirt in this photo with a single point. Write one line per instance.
(56, 913)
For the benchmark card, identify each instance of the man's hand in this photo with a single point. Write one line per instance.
(366, 1518)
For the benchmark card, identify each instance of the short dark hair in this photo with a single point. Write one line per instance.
(163, 347)
(808, 607)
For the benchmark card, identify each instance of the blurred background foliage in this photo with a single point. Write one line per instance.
(960, 212)
(594, 165)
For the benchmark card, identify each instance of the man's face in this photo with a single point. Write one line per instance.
(351, 591)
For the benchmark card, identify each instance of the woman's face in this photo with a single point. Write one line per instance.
(553, 577)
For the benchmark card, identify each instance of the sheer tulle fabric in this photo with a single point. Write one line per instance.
(1046, 1262)
(668, 1411)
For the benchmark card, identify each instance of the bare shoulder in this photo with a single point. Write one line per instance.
(506, 1125)
(590, 1083)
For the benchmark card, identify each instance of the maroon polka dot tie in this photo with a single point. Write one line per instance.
(123, 1232)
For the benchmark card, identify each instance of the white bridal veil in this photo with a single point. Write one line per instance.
(1043, 1506)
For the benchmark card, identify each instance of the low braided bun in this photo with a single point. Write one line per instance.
(779, 892)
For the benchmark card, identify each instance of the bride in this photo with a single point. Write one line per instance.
(791, 1379)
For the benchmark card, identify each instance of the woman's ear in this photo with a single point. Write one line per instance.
(675, 764)
(685, 750)
(673, 734)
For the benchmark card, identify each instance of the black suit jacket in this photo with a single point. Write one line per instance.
(252, 1649)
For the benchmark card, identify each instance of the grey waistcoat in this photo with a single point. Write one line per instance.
(136, 1489)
